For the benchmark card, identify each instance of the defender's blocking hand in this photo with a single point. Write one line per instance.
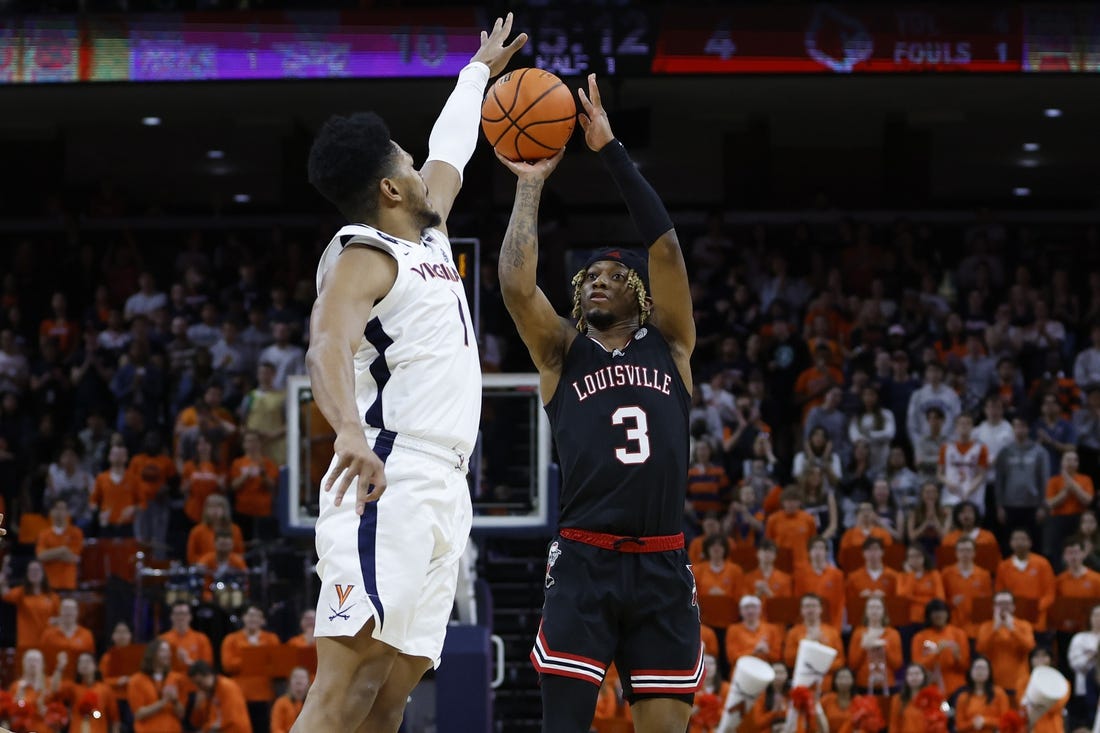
(493, 53)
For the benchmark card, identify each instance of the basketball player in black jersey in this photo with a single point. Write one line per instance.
(616, 384)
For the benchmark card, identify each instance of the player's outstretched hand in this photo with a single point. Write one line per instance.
(540, 170)
(355, 460)
(493, 53)
(594, 122)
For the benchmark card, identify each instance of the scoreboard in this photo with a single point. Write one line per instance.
(827, 38)
(571, 39)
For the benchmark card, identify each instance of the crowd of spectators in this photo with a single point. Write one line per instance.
(880, 414)
(142, 401)
(884, 426)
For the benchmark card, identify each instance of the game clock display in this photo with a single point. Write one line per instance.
(576, 41)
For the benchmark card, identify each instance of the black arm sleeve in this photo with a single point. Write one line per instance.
(645, 206)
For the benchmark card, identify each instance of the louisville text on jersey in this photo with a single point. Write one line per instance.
(622, 375)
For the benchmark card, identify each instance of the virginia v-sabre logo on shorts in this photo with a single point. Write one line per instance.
(551, 558)
(342, 594)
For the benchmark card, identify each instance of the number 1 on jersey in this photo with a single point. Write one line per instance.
(639, 434)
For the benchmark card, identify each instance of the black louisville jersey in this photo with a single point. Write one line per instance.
(620, 420)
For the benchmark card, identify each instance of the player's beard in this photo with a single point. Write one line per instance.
(427, 218)
(600, 320)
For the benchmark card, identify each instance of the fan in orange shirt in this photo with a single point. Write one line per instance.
(866, 526)
(873, 580)
(1026, 575)
(963, 582)
(905, 715)
(792, 528)
(1076, 581)
(188, 646)
(836, 704)
(35, 603)
(219, 705)
(121, 636)
(711, 528)
(59, 546)
(823, 580)
(257, 688)
(223, 564)
(813, 383)
(814, 629)
(115, 496)
(200, 477)
(1069, 493)
(307, 622)
(92, 704)
(252, 478)
(752, 636)
(717, 575)
(708, 486)
(286, 709)
(152, 470)
(942, 649)
(965, 521)
(63, 643)
(874, 650)
(744, 521)
(770, 708)
(1006, 641)
(706, 712)
(919, 583)
(765, 580)
(154, 692)
(981, 703)
(1051, 721)
(215, 516)
(29, 691)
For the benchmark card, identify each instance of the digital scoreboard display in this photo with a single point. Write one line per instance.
(211, 47)
(570, 39)
(826, 38)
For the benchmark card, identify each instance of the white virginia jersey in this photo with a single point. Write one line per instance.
(417, 370)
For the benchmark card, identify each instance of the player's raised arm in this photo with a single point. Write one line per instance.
(454, 136)
(546, 334)
(671, 292)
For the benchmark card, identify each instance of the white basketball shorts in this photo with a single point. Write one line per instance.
(397, 563)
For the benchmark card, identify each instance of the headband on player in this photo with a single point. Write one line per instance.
(631, 258)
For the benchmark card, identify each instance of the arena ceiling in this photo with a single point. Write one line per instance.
(751, 142)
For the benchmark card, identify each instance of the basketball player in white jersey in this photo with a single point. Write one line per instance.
(394, 368)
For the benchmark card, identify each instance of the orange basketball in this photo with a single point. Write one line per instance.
(528, 114)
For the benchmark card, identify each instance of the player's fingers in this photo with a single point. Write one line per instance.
(506, 27)
(342, 486)
(334, 473)
(496, 27)
(594, 91)
(587, 105)
(484, 37)
(584, 120)
(516, 44)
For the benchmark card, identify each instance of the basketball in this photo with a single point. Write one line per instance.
(528, 114)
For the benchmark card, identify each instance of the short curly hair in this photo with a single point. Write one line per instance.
(350, 155)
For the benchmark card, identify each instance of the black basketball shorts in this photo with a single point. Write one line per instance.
(635, 605)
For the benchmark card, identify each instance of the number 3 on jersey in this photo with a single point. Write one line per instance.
(638, 433)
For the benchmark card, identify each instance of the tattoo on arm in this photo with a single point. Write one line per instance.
(519, 250)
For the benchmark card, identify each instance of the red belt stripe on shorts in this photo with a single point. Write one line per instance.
(620, 543)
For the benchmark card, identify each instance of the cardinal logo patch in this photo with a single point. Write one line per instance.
(551, 558)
